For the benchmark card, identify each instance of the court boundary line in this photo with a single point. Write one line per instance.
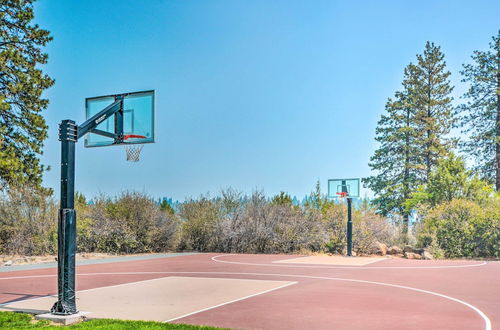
(354, 266)
(215, 259)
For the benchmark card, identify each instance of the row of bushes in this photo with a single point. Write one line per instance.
(230, 222)
(233, 222)
(253, 224)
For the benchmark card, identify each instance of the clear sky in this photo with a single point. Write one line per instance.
(270, 95)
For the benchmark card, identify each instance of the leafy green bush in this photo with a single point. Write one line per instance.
(463, 228)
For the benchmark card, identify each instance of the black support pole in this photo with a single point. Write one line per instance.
(349, 226)
(67, 223)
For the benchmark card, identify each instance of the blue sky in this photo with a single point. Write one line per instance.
(270, 95)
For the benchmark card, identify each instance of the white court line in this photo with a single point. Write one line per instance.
(287, 261)
(27, 276)
(215, 258)
(230, 302)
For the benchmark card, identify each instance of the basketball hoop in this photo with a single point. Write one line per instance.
(342, 194)
(133, 150)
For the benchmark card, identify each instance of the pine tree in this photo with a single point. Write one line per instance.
(412, 134)
(480, 116)
(430, 91)
(22, 127)
(395, 161)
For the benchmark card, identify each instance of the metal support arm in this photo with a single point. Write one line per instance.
(91, 123)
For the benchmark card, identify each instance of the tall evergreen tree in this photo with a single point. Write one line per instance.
(412, 133)
(480, 115)
(430, 91)
(22, 127)
(397, 157)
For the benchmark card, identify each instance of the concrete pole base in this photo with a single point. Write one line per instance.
(63, 319)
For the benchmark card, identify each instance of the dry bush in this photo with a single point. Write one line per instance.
(369, 228)
(334, 218)
(131, 223)
(236, 223)
(28, 222)
(198, 226)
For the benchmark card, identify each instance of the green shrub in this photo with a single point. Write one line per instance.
(462, 228)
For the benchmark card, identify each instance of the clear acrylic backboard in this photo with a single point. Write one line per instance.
(138, 118)
(338, 186)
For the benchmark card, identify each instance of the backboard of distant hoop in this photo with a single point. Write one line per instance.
(137, 119)
(336, 187)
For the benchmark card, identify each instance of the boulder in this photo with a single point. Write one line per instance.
(411, 249)
(427, 256)
(411, 255)
(379, 249)
(408, 249)
(394, 250)
(19, 261)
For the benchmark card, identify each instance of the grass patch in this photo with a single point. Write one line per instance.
(12, 320)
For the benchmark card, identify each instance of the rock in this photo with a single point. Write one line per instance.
(8, 263)
(411, 255)
(411, 249)
(378, 248)
(408, 249)
(419, 251)
(394, 250)
(382, 249)
(427, 256)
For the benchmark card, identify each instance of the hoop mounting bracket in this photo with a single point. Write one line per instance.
(68, 131)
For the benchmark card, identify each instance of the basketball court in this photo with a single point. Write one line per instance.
(273, 291)
(237, 290)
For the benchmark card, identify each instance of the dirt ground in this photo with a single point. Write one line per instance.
(9, 260)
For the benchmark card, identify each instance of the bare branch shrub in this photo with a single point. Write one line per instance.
(28, 221)
(131, 223)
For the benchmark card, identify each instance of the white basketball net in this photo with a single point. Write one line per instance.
(133, 152)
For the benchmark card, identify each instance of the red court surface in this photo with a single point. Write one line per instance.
(388, 294)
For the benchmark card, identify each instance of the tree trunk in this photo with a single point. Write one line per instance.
(406, 175)
(497, 140)
(406, 220)
(429, 132)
